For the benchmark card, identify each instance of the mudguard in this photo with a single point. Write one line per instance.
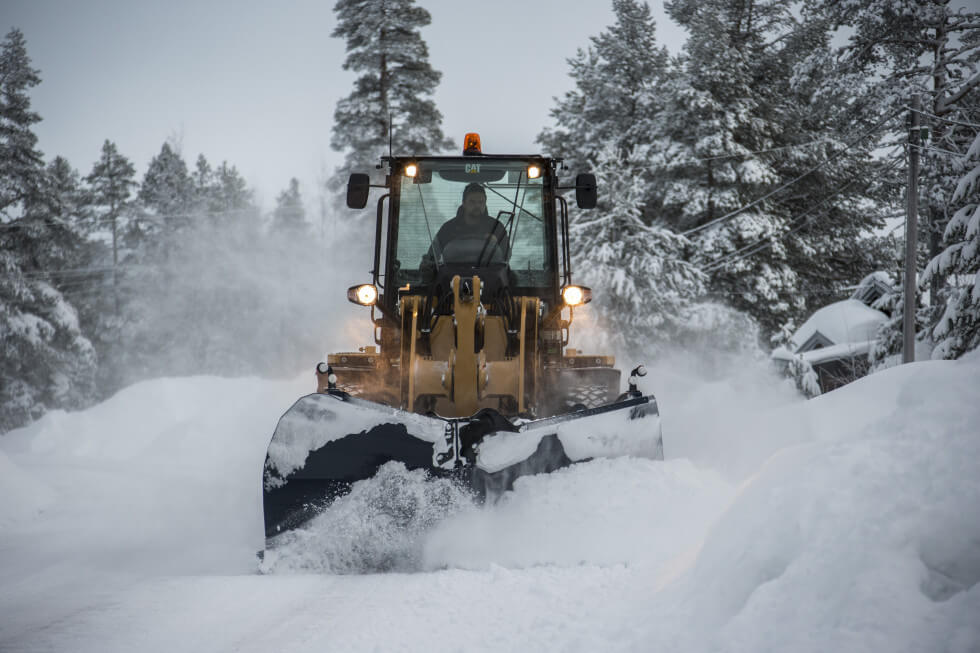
(327, 441)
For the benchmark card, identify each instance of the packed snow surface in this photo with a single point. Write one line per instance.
(845, 523)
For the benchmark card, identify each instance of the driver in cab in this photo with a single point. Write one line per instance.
(474, 225)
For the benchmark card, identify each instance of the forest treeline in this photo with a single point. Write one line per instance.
(744, 182)
(110, 277)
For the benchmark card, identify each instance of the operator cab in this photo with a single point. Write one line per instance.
(527, 254)
(511, 247)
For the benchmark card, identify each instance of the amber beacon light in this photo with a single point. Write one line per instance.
(471, 144)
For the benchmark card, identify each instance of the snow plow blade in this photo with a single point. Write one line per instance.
(326, 442)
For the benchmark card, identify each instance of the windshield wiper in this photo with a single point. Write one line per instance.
(513, 203)
(507, 233)
(436, 247)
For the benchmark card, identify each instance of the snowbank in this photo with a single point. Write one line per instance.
(23, 496)
(843, 523)
(865, 539)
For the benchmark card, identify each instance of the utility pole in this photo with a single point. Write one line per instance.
(113, 211)
(911, 218)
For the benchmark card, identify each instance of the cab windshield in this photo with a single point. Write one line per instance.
(514, 206)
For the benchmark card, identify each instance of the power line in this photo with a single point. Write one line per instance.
(788, 291)
(752, 152)
(766, 241)
(78, 272)
(24, 223)
(936, 149)
(833, 157)
(948, 120)
(731, 256)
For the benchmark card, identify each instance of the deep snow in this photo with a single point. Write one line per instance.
(848, 523)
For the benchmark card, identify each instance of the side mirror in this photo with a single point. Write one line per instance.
(585, 191)
(358, 187)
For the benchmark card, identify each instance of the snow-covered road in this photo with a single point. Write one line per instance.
(844, 523)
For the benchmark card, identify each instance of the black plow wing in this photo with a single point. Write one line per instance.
(326, 442)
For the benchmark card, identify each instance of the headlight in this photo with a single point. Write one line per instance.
(411, 169)
(576, 295)
(365, 294)
(533, 172)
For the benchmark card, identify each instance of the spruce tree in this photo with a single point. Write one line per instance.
(617, 94)
(395, 83)
(109, 314)
(289, 216)
(50, 362)
(111, 184)
(167, 192)
(930, 48)
(57, 219)
(203, 187)
(219, 193)
(718, 111)
(760, 171)
(956, 329)
(233, 193)
(45, 361)
(21, 163)
(641, 282)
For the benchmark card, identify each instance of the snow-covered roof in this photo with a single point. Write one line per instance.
(872, 287)
(824, 354)
(841, 322)
(843, 350)
(879, 277)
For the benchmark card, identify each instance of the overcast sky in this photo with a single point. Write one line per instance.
(256, 84)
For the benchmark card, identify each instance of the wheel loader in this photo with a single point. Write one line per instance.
(470, 374)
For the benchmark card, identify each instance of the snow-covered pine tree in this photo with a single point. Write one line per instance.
(20, 161)
(642, 284)
(719, 108)
(930, 48)
(108, 308)
(111, 183)
(45, 361)
(203, 187)
(58, 219)
(221, 194)
(838, 210)
(233, 193)
(957, 329)
(925, 47)
(396, 83)
(167, 198)
(760, 178)
(616, 98)
(289, 216)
